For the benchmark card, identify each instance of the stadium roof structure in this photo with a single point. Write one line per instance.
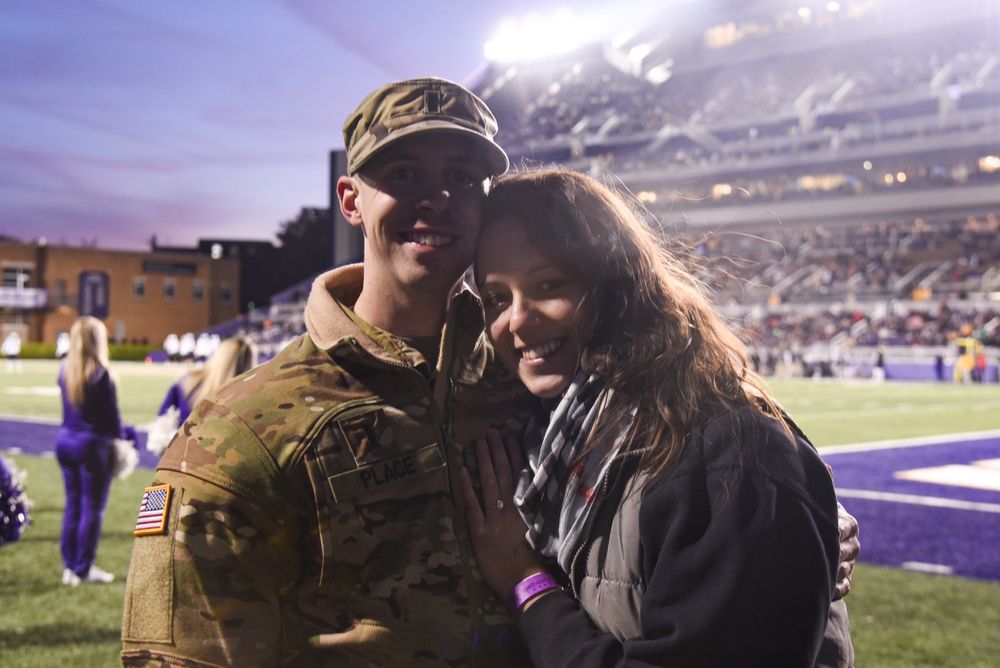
(883, 109)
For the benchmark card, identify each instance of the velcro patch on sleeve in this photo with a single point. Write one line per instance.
(153, 511)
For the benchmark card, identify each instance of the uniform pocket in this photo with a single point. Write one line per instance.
(384, 513)
(364, 460)
(151, 579)
(386, 476)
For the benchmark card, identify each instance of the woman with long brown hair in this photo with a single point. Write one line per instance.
(675, 514)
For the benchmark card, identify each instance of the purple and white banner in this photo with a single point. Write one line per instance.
(94, 294)
(26, 298)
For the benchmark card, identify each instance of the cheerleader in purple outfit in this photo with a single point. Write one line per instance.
(233, 357)
(85, 448)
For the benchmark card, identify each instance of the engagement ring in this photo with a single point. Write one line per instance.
(499, 504)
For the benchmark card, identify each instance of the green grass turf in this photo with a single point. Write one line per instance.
(900, 619)
(840, 412)
(43, 623)
(34, 393)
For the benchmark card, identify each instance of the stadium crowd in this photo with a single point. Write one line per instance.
(891, 281)
(883, 261)
(793, 288)
(843, 97)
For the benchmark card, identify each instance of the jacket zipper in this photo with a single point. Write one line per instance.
(447, 432)
(583, 550)
(585, 544)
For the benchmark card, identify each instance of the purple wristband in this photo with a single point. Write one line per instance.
(529, 587)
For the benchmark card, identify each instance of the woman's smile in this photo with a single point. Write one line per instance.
(531, 308)
(537, 353)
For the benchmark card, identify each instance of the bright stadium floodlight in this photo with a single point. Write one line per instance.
(622, 38)
(637, 53)
(536, 36)
(660, 73)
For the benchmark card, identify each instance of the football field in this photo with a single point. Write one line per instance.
(917, 463)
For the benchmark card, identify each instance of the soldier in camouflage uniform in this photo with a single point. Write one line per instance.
(306, 513)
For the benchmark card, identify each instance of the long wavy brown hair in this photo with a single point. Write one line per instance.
(650, 331)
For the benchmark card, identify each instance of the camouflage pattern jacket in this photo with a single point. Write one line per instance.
(315, 514)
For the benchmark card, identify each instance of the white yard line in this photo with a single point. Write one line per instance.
(937, 569)
(909, 442)
(893, 409)
(916, 500)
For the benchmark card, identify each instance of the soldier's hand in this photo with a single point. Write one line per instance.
(850, 548)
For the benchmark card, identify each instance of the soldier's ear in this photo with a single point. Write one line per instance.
(347, 193)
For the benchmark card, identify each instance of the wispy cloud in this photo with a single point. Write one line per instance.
(185, 119)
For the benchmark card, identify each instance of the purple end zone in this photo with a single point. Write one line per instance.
(899, 526)
(962, 540)
(39, 438)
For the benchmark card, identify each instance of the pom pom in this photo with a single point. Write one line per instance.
(162, 430)
(14, 503)
(126, 459)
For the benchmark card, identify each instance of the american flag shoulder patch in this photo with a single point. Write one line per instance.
(153, 511)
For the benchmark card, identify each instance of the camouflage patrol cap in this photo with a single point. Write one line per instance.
(405, 108)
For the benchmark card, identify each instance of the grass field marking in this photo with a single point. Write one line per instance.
(798, 393)
(30, 418)
(908, 442)
(33, 389)
(916, 500)
(921, 567)
(14, 450)
(890, 408)
(975, 476)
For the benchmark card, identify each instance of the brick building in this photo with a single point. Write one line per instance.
(140, 296)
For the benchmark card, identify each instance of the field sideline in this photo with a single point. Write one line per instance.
(901, 619)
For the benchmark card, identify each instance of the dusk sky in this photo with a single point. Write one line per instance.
(210, 118)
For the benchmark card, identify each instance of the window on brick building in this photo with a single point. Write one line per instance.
(60, 295)
(16, 276)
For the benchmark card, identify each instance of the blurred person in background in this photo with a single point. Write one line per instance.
(964, 365)
(230, 359)
(203, 347)
(172, 347)
(11, 349)
(62, 345)
(85, 447)
(979, 373)
(188, 343)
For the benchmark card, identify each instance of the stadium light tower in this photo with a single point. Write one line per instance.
(536, 36)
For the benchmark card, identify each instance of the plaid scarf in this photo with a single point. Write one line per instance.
(554, 496)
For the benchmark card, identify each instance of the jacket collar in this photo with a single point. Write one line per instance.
(465, 351)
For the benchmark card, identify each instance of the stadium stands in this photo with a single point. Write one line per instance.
(833, 176)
